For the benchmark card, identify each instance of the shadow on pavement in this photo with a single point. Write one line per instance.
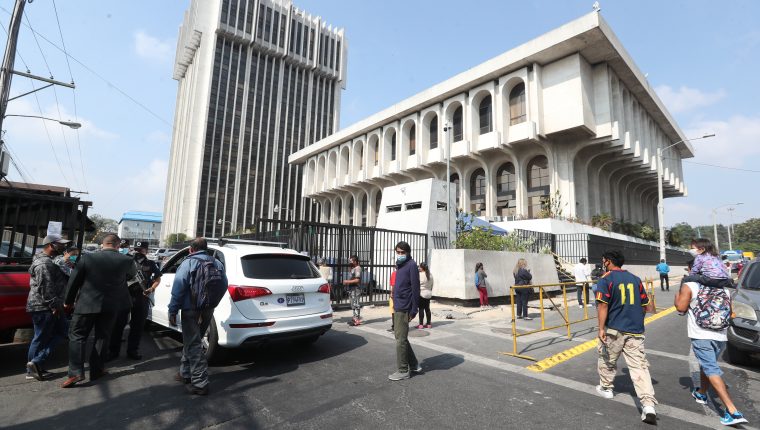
(441, 362)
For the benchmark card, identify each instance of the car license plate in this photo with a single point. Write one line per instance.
(295, 299)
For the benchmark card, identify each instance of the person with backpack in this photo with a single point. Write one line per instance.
(199, 285)
(140, 287)
(663, 269)
(709, 310)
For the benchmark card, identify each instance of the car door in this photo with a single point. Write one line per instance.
(159, 312)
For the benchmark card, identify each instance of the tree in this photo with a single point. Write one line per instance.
(103, 226)
(748, 235)
(603, 221)
(680, 234)
(175, 238)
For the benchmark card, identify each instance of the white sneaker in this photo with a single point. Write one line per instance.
(605, 392)
(580, 306)
(648, 415)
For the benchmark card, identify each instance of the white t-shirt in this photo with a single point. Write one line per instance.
(695, 331)
(582, 272)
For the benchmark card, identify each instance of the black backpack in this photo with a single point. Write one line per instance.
(207, 285)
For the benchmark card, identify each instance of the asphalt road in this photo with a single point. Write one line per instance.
(341, 382)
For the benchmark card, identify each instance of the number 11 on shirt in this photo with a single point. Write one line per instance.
(623, 287)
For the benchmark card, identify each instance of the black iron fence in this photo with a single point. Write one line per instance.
(573, 247)
(335, 243)
(536, 241)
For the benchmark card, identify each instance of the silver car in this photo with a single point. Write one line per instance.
(744, 331)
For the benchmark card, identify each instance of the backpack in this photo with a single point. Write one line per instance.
(207, 286)
(713, 308)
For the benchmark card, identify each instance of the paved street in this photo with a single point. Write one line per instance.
(341, 381)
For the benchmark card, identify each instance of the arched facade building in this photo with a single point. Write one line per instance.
(567, 116)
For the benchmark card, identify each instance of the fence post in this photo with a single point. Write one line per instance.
(514, 321)
(567, 317)
(541, 305)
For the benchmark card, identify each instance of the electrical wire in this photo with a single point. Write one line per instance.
(96, 74)
(714, 165)
(57, 103)
(74, 96)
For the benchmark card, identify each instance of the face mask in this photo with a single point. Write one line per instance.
(73, 258)
(124, 251)
(400, 259)
(693, 252)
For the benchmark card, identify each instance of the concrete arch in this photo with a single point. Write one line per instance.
(358, 160)
(343, 163)
(449, 111)
(321, 172)
(426, 136)
(409, 134)
(390, 149)
(474, 114)
(332, 169)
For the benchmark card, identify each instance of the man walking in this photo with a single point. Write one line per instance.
(621, 305)
(98, 284)
(45, 305)
(708, 343)
(582, 275)
(406, 295)
(663, 269)
(140, 287)
(199, 268)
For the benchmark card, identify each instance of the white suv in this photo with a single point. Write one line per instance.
(273, 294)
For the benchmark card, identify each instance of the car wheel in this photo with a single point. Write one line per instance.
(736, 356)
(210, 343)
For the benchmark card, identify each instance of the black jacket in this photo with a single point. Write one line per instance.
(523, 277)
(100, 280)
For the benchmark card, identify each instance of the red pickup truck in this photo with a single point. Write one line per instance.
(14, 290)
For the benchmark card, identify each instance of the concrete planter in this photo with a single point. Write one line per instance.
(454, 271)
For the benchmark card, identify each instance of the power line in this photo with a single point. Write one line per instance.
(715, 165)
(112, 85)
(74, 96)
(57, 101)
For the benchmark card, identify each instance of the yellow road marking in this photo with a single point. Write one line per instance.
(549, 362)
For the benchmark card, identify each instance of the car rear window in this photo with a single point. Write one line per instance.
(278, 266)
(751, 280)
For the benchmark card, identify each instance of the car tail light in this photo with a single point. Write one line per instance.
(324, 288)
(325, 316)
(240, 292)
(253, 325)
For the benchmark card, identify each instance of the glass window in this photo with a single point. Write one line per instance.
(280, 266)
(517, 104)
(455, 179)
(434, 132)
(478, 184)
(484, 111)
(393, 147)
(538, 171)
(377, 152)
(458, 126)
(351, 211)
(361, 157)
(505, 179)
(378, 199)
(412, 139)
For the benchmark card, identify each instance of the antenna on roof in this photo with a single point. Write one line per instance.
(597, 7)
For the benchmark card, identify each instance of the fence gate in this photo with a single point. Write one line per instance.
(335, 243)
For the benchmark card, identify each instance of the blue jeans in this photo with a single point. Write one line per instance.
(707, 353)
(48, 331)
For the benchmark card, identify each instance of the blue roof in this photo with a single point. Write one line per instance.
(471, 221)
(141, 216)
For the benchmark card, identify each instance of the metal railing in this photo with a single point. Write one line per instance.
(565, 315)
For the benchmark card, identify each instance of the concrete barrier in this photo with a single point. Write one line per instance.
(454, 271)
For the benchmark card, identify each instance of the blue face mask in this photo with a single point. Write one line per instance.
(400, 259)
(73, 258)
(124, 251)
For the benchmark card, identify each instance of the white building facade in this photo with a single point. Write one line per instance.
(566, 117)
(258, 80)
(140, 225)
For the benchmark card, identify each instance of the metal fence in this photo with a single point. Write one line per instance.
(335, 243)
(573, 247)
(439, 240)
(539, 241)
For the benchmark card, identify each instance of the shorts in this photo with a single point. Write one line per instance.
(707, 352)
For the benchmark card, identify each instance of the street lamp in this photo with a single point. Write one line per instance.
(730, 226)
(221, 222)
(715, 225)
(70, 124)
(661, 204)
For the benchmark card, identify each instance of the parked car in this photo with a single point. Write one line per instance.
(744, 331)
(14, 290)
(274, 294)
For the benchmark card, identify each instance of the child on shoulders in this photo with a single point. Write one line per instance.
(708, 269)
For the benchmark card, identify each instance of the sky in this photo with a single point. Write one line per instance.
(699, 55)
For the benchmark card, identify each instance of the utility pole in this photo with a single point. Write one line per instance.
(6, 73)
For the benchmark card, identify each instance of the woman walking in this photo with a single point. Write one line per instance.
(426, 293)
(480, 284)
(522, 277)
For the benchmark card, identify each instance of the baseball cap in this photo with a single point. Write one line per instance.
(54, 238)
(141, 244)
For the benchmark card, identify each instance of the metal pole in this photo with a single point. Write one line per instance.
(514, 320)
(660, 204)
(446, 129)
(6, 72)
(731, 223)
(715, 229)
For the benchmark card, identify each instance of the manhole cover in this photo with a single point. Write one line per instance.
(418, 333)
